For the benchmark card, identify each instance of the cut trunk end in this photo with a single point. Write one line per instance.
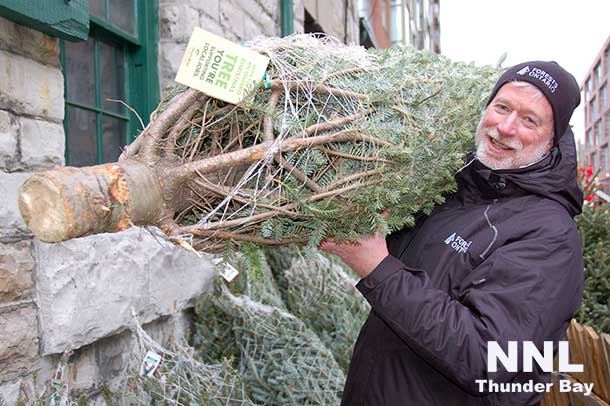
(73, 202)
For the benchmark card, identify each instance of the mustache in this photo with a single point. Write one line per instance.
(493, 133)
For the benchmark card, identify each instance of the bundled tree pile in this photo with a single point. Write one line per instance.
(334, 135)
(180, 379)
(249, 348)
(280, 357)
(323, 295)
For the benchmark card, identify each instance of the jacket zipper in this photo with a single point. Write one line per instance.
(495, 230)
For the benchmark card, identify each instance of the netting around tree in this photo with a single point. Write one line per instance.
(324, 297)
(181, 379)
(338, 134)
(335, 135)
(283, 362)
(322, 294)
(279, 357)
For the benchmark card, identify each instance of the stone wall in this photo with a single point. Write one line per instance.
(78, 296)
(31, 139)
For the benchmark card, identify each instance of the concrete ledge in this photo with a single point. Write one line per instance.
(28, 42)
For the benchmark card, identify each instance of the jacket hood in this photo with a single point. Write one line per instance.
(554, 177)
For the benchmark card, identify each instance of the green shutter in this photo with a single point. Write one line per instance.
(67, 19)
(143, 69)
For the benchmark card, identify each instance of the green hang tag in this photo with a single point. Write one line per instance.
(220, 68)
(267, 80)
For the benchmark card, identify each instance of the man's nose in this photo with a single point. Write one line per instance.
(508, 126)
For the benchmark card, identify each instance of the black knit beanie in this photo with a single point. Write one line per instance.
(557, 84)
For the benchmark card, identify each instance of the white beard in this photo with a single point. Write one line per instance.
(516, 159)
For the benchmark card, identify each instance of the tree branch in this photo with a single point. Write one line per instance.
(263, 216)
(295, 84)
(328, 125)
(353, 177)
(225, 235)
(332, 193)
(224, 191)
(159, 127)
(257, 152)
(297, 173)
(340, 136)
(350, 156)
(268, 121)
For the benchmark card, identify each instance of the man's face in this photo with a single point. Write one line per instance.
(516, 128)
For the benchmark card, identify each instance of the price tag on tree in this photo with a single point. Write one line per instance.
(220, 68)
(150, 363)
(225, 269)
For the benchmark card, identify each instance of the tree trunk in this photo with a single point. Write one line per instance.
(72, 202)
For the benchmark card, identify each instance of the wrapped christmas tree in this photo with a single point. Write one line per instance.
(323, 295)
(280, 356)
(333, 136)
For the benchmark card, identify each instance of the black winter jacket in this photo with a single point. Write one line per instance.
(500, 260)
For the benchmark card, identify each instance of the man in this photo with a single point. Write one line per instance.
(499, 261)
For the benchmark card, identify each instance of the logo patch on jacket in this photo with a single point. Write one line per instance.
(458, 243)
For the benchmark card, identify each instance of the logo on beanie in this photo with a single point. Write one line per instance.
(540, 75)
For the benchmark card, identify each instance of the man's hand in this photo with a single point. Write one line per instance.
(362, 256)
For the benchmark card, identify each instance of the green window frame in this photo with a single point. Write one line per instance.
(138, 51)
(68, 19)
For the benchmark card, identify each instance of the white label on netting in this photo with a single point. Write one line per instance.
(228, 272)
(220, 68)
(151, 362)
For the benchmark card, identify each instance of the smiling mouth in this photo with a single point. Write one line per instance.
(499, 145)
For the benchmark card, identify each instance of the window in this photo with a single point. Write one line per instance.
(588, 88)
(588, 139)
(592, 110)
(598, 133)
(117, 63)
(603, 98)
(608, 60)
(603, 159)
(592, 161)
(120, 13)
(597, 74)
